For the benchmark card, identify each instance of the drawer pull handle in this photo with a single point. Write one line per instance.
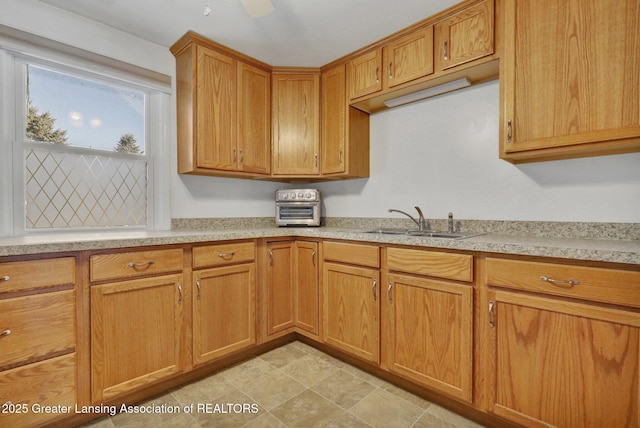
(137, 265)
(5, 278)
(389, 294)
(492, 321)
(179, 284)
(198, 285)
(5, 333)
(560, 282)
(227, 256)
(313, 257)
(373, 289)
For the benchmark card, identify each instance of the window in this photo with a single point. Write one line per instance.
(84, 152)
(82, 142)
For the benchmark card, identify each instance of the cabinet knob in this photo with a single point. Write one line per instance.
(5, 333)
(5, 278)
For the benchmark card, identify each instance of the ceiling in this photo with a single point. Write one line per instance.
(306, 33)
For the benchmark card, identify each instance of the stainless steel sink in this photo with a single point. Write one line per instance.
(388, 231)
(425, 233)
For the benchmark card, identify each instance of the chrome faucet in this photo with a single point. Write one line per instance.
(450, 223)
(420, 221)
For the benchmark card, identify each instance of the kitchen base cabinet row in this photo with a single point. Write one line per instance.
(509, 341)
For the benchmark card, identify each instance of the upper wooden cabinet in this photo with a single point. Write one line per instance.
(364, 74)
(405, 59)
(454, 44)
(296, 123)
(569, 79)
(465, 36)
(224, 110)
(344, 129)
(409, 57)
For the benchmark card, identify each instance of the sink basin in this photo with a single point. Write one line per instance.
(425, 233)
(388, 231)
(432, 234)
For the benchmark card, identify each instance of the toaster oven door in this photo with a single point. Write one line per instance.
(293, 213)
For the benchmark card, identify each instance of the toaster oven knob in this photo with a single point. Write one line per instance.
(307, 195)
(300, 195)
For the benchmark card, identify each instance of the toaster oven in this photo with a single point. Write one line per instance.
(298, 207)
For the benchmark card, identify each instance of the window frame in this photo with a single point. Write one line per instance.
(15, 54)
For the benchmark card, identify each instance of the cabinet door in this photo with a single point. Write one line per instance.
(570, 78)
(431, 337)
(364, 74)
(560, 363)
(410, 57)
(307, 290)
(280, 286)
(216, 110)
(296, 124)
(334, 118)
(254, 119)
(344, 129)
(223, 311)
(351, 310)
(465, 36)
(135, 334)
(45, 383)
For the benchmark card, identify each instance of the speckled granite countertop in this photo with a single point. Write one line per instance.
(603, 250)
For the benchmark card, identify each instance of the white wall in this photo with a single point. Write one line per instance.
(441, 154)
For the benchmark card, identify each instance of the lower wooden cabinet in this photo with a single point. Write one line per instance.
(352, 310)
(224, 299)
(292, 291)
(38, 328)
(280, 286)
(26, 391)
(430, 333)
(135, 334)
(224, 311)
(559, 363)
(307, 296)
(562, 348)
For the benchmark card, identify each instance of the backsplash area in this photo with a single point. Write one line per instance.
(583, 230)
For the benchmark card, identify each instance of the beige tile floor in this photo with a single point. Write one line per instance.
(291, 386)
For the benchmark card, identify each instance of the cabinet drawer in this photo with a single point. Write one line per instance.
(432, 263)
(135, 263)
(597, 284)
(37, 326)
(355, 254)
(223, 254)
(46, 383)
(35, 274)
